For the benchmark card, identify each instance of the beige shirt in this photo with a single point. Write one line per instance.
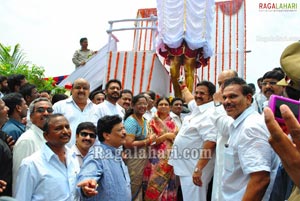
(80, 56)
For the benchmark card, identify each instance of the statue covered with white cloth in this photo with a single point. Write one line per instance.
(185, 36)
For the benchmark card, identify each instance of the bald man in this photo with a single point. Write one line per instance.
(78, 107)
(222, 119)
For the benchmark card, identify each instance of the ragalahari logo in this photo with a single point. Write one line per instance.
(278, 7)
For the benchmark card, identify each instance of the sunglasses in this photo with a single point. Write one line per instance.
(84, 134)
(43, 109)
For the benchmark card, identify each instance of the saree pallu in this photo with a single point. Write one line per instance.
(136, 168)
(159, 177)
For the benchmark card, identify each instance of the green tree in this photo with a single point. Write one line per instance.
(13, 61)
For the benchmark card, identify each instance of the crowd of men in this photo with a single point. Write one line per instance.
(72, 149)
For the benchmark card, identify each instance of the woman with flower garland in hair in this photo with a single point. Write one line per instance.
(137, 141)
(159, 177)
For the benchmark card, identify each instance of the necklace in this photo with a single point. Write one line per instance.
(141, 122)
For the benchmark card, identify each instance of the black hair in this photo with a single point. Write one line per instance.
(126, 91)
(152, 94)
(12, 100)
(86, 125)
(94, 93)
(274, 74)
(113, 81)
(26, 90)
(135, 99)
(246, 89)
(82, 39)
(161, 99)
(176, 99)
(106, 124)
(48, 119)
(58, 97)
(211, 87)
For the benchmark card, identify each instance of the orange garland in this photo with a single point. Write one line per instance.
(117, 65)
(109, 66)
(124, 70)
(142, 72)
(237, 42)
(134, 72)
(146, 31)
(140, 40)
(151, 71)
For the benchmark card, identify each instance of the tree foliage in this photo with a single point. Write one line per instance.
(13, 61)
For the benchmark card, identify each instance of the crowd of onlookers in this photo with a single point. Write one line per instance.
(215, 143)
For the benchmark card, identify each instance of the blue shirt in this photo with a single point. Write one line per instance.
(14, 128)
(42, 176)
(105, 165)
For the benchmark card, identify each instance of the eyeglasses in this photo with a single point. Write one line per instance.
(43, 109)
(84, 134)
(272, 83)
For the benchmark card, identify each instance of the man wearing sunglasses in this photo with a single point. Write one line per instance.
(85, 138)
(32, 140)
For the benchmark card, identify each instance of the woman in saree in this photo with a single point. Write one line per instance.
(137, 140)
(159, 175)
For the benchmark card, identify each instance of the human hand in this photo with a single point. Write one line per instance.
(197, 177)
(2, 186)
(10, 142)
(89, 187)
(218, 97)
(152, 139)
(170, 136)
(288, 151)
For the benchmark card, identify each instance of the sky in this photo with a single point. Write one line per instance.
(49, 30)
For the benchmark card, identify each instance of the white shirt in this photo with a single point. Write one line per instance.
(222, 121)
(248, 151)
(177, 119)
(42, 176)
(196, 128)
(78, 154)
(258, 102)
(29, 142)
(75, 115)
(107, 108)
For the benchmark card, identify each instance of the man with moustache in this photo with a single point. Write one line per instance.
(104, 175)
(251, 164)
(125, 99)
(109, 106)
(85, 138)
(78, 107)
(197, 133)
(17, 111)
(50, 173)
(32, 140)
(269, 86)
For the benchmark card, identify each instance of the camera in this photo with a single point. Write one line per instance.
(276, 101)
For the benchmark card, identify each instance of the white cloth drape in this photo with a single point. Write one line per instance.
(189, 20)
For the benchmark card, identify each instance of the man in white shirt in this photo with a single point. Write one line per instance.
(125, 100)
(221, 121)
(151, 109)
(50, 173)
(86, 133)
(176, 109)
(32, 140)
(109, 106)
(78, 107)
(251, 164)
(192, 153)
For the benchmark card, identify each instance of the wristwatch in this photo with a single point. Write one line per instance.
(217, 104)
(196, 170)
